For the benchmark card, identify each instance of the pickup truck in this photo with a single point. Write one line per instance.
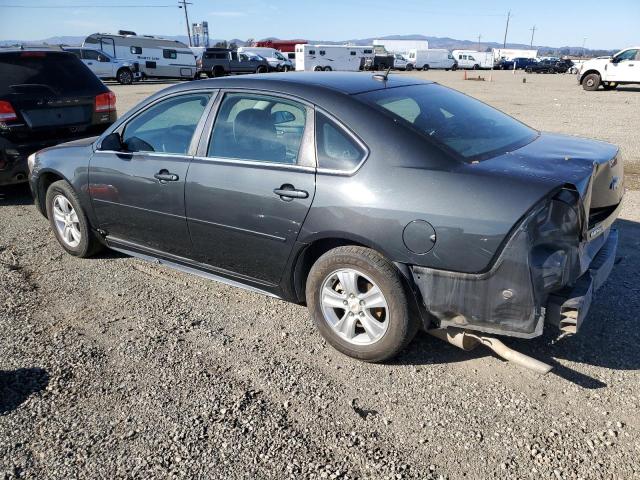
(107, 67)
(621, 69)
(216, 62)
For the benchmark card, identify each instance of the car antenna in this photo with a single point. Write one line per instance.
(383, 77)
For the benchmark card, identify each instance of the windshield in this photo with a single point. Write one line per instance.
(462, 125)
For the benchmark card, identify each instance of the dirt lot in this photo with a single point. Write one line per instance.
(112, 367)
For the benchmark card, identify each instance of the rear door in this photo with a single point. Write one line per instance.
(251, 185)
(138, 193)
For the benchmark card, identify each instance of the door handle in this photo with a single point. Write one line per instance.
(288, 192)
(164, 176)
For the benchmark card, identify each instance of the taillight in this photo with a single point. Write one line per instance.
(106, 102)
(7, 113)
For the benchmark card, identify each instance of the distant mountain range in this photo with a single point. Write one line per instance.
(434, 42)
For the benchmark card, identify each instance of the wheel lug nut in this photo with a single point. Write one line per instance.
(351, 314)
(362, 314)
(345, 302)
(362, 303)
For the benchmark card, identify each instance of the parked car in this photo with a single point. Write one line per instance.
(107, 67)
(437, 58)
(521, 62)
(383, 203)
(503, 64)
(277, 60)
(379, 62)
(47, 96)
(399, 62)
(548, 66)
(621, 69)
(216, 62)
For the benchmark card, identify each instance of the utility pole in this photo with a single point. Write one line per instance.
(479, 37)
(584, 40)
(183, 4)
(504, 44)
(533, 31)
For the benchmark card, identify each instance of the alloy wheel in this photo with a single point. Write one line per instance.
(66, 221)
(354, 307)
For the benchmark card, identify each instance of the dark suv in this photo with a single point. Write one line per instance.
(217, 62)
(47, 97)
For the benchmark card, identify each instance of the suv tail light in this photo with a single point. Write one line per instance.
(7, 113)
(106, 102)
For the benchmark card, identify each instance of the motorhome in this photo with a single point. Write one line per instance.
(277, 60)
(473, 59)
(401, 46)
(427, 59)
(157, 57)
(350, 58)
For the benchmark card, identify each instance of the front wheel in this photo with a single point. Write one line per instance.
(69, 222)
(409, 67)
(359, 304)
(476, 67)
(591, 82)
(124, 76)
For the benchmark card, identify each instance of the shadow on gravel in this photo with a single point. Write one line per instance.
(609, 337)
(15, 195)
(17, 385)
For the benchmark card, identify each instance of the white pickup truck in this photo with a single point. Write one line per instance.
(622, 68)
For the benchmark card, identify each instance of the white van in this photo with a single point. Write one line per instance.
(432, 58)
(157, 57)
(473, 59)
(332, 57)
(277, 60)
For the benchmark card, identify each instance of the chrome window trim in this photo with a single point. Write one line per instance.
(307, 159)
(353, 136)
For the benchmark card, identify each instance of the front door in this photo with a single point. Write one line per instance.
(250, 187)
(93, 58)
(138, 193)
(625, 67)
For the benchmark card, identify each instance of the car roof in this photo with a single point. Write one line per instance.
(349, 83)
(32, 48)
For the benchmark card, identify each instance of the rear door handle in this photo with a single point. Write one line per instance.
(288, 192)
(164, 176)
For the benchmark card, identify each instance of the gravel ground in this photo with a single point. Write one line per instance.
(112, 367)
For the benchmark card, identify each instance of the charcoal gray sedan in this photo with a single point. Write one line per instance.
(384, 204)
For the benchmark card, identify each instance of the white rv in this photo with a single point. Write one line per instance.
(277, 60)
(332, 57)
(157, 57)
(473, 59)
(426, 59)
(402, 46)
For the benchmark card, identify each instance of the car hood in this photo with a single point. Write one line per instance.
(591, 167)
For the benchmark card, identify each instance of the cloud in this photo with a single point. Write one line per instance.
(227, 14)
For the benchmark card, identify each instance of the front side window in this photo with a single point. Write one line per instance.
(468, 128)
(336, 149)
(136, 50)
(627, 55)
(258, 127)
(167, 126)
(168, 53)
(322, 52)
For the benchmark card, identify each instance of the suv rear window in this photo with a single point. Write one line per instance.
(462, 125)
(60, 72)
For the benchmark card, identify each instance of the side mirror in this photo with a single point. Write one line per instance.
(112, 142)
(282, 116)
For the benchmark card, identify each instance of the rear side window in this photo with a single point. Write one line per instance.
(168, 53)
(336, 149)
(167, 126)
(136, 50)
(312, 52)
(90, 54)
(54, 73)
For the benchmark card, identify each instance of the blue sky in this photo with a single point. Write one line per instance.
(558, 22)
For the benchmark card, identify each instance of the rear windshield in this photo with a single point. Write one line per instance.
(466, 127)
(57, 72)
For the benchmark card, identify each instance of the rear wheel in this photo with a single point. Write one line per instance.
(124, 76)
(426, 67)
(327, 69)
(217, 71)
(409, 67)
(359, 304)
(476, 67)
(261, 69)
(318, 68)
(69, 222)
(591, 82)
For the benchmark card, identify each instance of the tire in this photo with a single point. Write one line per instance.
(609, 85)
(327, 69)
(217, 72)
(591, 82)
(61, 193)
(318, 68)
(476, 67)
(454, 67)
(425, 68)
(261, 69)
(124, 76)
(409, 67)
(528, 70)
(393, 326)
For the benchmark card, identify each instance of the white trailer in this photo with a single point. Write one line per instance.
(427, 59)
(473, 59)
(401, 46)
(157, 57)
(332, 57)
(511, 53)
